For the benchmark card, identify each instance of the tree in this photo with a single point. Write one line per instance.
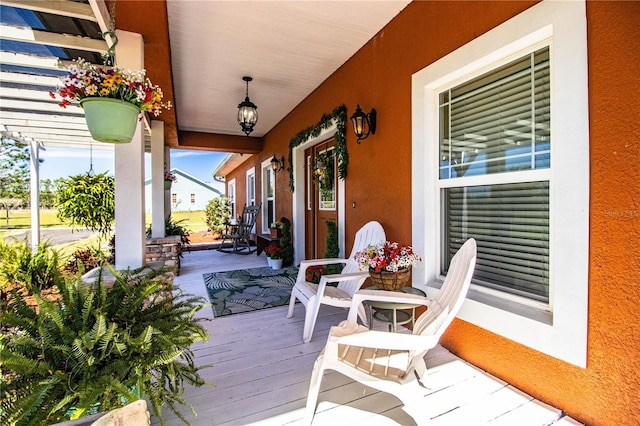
(87, 201)
(14, 169)
(47, 195)
(218, 214)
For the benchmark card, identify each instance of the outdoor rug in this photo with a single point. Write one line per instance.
(245, 290)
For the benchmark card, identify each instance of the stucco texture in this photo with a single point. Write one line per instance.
(379, 181)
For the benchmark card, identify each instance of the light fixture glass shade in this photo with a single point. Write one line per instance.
(247, 116)
(277, 165)
(247, 112)
(363, 124)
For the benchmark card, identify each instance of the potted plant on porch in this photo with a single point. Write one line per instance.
(112, 99)
(274, 254)
(389, 264)
(98, 348)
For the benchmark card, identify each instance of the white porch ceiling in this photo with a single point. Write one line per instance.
(288, 47)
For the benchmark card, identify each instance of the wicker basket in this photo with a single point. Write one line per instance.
(386, 280)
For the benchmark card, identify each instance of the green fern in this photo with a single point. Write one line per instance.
(95, 346)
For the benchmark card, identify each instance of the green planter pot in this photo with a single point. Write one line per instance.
(167, 184)
(110, 120)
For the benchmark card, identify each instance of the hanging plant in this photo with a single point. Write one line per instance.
(341, 154)
(323, 171)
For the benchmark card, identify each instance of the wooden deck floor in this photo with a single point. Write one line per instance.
(261, 371)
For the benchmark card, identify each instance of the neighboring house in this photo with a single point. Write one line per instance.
(512, 122)
(188, 193)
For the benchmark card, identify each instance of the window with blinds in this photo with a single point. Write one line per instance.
(496, 124)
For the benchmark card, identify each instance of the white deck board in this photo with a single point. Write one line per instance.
(261, 371)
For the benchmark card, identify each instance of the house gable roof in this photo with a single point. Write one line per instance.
(193, 179)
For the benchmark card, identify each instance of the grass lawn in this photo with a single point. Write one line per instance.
(21, 219)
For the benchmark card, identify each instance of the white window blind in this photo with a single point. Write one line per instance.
(494, 124)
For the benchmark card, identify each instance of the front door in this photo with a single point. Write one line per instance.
(321, 197)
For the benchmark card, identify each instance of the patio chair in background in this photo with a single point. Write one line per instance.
(394, 362)
(240, 233)
(349, 281)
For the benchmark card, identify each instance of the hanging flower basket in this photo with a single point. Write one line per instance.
(167, 184)
(112, 98)
(387, 280)
(110, 120)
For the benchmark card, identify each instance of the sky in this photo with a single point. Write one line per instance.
(65, 162)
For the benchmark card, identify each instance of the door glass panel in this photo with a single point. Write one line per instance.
(324, 173)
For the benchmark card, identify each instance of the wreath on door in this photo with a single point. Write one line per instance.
(337, 116)
(324, 170)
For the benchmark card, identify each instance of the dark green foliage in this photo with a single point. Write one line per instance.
(326, 121)
(332, 240)
(14, 170)
(98, 345)
(174, 227)
(87, 201)
(20, 266)
(286, 242)
(333, 250)
(218, 214)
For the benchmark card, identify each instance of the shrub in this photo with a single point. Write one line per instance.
(87, 200)
(218, 214)
(285, 242)
(174, 227)
(98, 347)
(22, 267)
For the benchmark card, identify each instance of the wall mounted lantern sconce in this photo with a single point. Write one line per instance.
(247, 112)
(364, 123)
(277, 165)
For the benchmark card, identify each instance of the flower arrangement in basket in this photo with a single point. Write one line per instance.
(170, 176)
(111, 98)
(274, 252)
(389, 264)
(86, 80)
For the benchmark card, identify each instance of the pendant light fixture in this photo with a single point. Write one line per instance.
(247, 112)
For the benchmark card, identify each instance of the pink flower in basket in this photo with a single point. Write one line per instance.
(387, 256)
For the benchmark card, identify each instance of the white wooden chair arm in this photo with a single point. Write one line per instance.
(305, 264)
(343, 277)
(384, 296)
(343, 334)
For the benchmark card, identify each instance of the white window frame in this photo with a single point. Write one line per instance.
(561, 25)
(251, 186)
(266, 171)
(231, 194)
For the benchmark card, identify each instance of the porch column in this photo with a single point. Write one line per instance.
(35, 193)
(167, 194)
(129, 171)
(158, 162)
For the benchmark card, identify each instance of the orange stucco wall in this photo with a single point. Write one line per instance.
(379, 181)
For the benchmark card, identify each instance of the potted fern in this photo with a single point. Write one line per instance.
(98, 348)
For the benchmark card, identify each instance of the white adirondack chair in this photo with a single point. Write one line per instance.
(349, 281)
(394, 362)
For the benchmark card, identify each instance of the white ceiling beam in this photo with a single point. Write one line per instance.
(27, 94)
(68, 8)
(55, 125)
(103, 18)
(32, 116)
(57, 137)
(20, 59)
(39, 106)
(47, 130)
(25, 34)
(38, 80)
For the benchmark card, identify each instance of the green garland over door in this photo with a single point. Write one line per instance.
(342, 155)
